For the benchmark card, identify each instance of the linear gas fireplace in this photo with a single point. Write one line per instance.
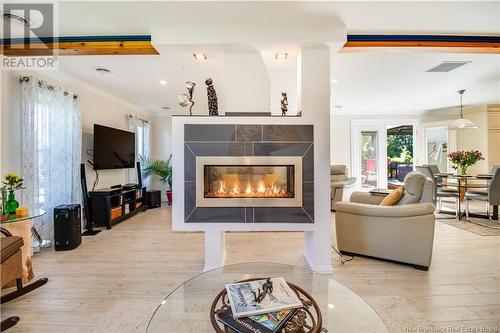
(249, 181)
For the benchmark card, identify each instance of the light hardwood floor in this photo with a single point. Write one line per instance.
(114, 280)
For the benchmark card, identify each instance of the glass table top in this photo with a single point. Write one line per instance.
(32, 213)
(187, 308)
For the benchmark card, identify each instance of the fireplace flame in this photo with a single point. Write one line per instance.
(260, 191)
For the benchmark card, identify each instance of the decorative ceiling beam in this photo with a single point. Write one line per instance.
(423, 43)
(82, 45)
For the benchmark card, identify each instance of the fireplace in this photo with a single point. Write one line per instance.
(249, 181)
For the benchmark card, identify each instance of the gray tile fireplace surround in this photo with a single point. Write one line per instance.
(248, 140)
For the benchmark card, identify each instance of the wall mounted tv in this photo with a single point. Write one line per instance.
(113, 148)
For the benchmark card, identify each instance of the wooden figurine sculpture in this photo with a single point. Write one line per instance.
(284, 104)
(212, 98)
(187, 99)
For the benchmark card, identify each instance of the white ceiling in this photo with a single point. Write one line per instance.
(397, 82)
(367, 82)
(136, 78)
(446, 17)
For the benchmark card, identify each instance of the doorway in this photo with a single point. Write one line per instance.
(381, 153)
(399, 154)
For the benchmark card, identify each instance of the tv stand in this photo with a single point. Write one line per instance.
(111, 206)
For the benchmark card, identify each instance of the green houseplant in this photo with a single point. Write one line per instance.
(160, 168)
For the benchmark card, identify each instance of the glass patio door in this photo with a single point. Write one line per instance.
(369, 152)
(369, 155)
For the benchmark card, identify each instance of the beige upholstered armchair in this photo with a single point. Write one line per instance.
(338, 181)
(403, 233)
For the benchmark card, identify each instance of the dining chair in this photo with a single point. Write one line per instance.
(440, 191)
(491, 195)
(494, 168)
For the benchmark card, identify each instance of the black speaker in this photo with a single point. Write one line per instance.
(67, 227)
(139, 176)
(153, 199)
(87, 214)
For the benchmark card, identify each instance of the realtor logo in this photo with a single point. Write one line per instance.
(28, 36)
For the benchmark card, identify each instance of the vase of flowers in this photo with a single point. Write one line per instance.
(461, 160)
(12, 182)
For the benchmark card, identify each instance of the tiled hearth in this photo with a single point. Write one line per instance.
(249, 140)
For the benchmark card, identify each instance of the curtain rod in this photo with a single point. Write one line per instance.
(137, 117)
(26, 79)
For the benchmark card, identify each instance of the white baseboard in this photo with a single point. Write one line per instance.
(320, 269)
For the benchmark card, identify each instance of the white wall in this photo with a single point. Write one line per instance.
(476, 139)
(97, 107)
(10, 131)
(243, 84)
(161, 144)
(284, 80)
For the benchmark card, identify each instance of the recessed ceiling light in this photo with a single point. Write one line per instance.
(200, 56)
(102, 70)
(163, 82)
(281, 56)
(12, 18)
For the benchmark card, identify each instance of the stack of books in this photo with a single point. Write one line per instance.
(246, 315)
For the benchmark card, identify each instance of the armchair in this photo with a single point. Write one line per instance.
(403, 233)
(11, 269)
(338, 181)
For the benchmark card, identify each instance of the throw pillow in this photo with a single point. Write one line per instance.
(393, 198)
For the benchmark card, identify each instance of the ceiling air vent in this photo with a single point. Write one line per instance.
(447, 66)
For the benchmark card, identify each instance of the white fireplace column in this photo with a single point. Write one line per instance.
(314, 101)
(193, 137)
(215, 249)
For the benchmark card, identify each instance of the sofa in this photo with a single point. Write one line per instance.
(403, 233)
(339, 180)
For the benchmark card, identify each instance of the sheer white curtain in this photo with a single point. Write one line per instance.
(51, 148)
(142, 130)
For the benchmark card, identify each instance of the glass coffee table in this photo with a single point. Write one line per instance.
(187, 308)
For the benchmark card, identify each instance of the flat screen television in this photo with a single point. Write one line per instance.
(113, 148)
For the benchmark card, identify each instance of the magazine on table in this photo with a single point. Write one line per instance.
(264, 323)
(242, 297)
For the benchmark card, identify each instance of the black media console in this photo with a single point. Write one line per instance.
(111, 206)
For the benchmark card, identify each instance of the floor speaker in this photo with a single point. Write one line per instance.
(67, 227)
(153, 199)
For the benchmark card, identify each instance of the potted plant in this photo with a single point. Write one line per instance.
(11, 182)
(160, 168)
(464, 159)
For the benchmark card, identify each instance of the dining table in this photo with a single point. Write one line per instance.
(464, 183)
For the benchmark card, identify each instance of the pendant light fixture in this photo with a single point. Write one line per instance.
(462, 123)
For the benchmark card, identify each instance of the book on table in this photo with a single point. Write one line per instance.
(264, 323)
(243, 303)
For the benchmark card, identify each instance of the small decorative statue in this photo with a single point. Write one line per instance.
(187, 99)
(284, 103)
(267, 288)
(212, 98)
